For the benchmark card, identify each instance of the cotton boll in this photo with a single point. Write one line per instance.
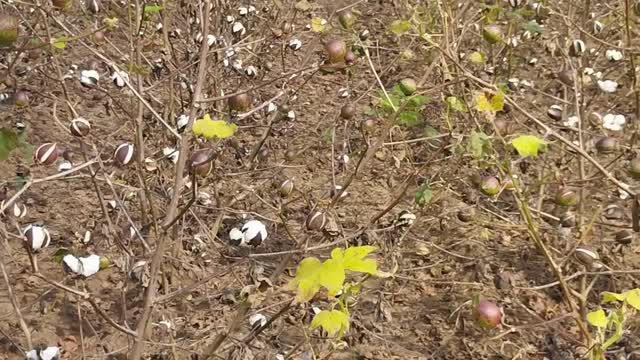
(255, 232)
(120, 78)
(171, 154)
(613, 122)
(36, 236)
(85, 266)
(236, 237)
(89, 78)
(257, 321)
(608, 86)
(613, 55)
(572, 122)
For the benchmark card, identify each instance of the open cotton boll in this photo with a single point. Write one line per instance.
(257, 321)
(236, 237)
(120, 78)
(609, 86)
(572, 122)
(613, 122)
(49, 353)
(91, 265)
(171, 154)
(255, 232)
(89, 78)
(85, 266)
(613, 55)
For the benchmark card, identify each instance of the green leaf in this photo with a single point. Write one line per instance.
(213, 128)
(632, 297)
(608, 297)
(424, 195)
(492, 13)
(317, 24)
(492, 103)
(476, 58)
(400, 27)
(59, 43)
(332, 321)
(417, 101)
(528, 145)
(353, 259)
(479, 145)
(597, 318)
(9, 140)
(456, 104)
(430, 131)
(152, 9)
(393, 96)
(617, 335)
(307, 280)
(332, 276)
(368, 110)
(533, 27)
(409, 118)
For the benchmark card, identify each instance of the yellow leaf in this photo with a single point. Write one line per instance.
(491, 104)
(476, 58)
(332, 276)
(528, 145)
(632, 297)
(317, 24)
(597, 318)
(332, 321)
(354, 259)
(209, 128)
(307, 280)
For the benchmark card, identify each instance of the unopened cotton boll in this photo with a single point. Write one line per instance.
(123, 154)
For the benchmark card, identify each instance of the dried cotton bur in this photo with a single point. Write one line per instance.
(15, 208)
